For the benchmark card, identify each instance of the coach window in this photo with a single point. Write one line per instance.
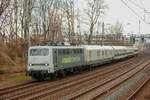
(74, 51)
(102, 53)
(71, 51)
(78, 51)
(98, 53)
(90, 53)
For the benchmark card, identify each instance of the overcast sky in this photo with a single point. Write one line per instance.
(119, 12)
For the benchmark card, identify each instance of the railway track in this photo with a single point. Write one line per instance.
(118, 83)
(28, 84)
(142, 92)
(130, 88)
(28, 90)
(140, 86)
(8, 90)
(41, 90)
(56, 88)
(99, 88)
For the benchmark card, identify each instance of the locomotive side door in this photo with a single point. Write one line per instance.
(55, 54)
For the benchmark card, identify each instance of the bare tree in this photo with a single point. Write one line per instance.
(69, 9)
(20, 19)
(6, 10)
(3, 6)
(26, 19)
(95, 9)
(16, 19)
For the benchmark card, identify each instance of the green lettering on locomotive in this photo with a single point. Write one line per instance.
(70, 59)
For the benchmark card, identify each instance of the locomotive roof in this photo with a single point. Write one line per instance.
(119, 47)
(59, 47)
(124, 47)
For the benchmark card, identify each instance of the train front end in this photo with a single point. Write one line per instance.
(40, 62)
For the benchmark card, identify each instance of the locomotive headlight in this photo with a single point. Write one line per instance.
(30, 64)
(46, 64)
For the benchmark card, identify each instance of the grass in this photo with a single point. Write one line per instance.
(2, 70)
(5, 69)
(18, 78)
(13, 74)
(14, 78)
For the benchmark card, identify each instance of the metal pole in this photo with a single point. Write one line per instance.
(140, 31)
(139, 27)
(103, 32)
(98, 35)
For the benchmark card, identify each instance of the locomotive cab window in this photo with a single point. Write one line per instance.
(39, 52)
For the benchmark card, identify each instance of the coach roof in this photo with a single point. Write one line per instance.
(92, 47)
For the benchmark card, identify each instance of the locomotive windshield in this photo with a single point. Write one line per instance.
(39, 52)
